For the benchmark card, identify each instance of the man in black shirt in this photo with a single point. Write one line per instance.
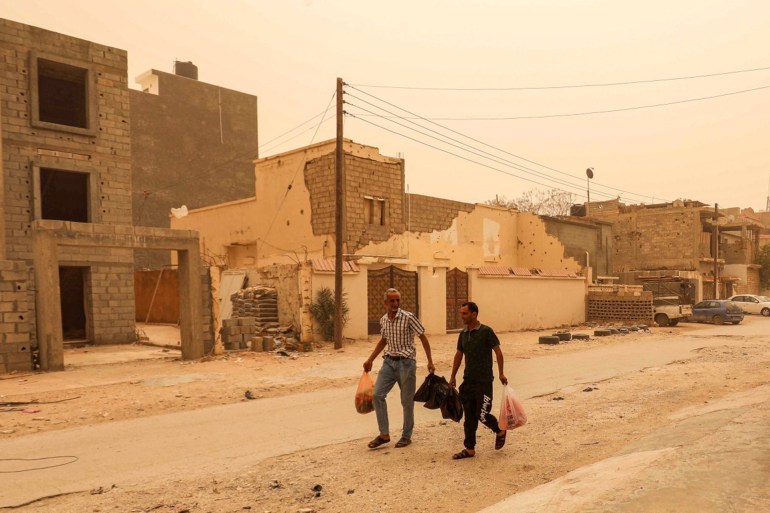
(476, 343)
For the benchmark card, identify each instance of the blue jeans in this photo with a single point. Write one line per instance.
(403, 372)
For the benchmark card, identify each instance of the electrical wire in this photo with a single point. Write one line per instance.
(483, 154)
(73, 460)
(459, 156)
(267, 150)
(591, 113)
(417, 116)
(574, 86)
(293, 129)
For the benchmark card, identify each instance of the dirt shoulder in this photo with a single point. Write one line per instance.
(567, 430)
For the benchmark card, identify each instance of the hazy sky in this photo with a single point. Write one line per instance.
(289, 53)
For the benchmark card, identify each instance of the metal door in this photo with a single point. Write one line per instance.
(378, 282)
(456, 295)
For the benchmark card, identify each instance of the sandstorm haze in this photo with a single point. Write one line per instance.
(289, 54)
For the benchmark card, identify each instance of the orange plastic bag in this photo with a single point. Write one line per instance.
(365, 394)
(512, 414)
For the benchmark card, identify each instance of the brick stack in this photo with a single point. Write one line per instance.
(239, 332)
(258, 302)
(624, 304)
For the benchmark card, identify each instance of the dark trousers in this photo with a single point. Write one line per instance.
(477, 402)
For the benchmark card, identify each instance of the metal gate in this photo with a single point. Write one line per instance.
(381, 280)
(456, 295)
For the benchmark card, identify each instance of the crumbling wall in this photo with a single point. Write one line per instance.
(284, 278)
(363, 177)
(15, 343)
(428, 214)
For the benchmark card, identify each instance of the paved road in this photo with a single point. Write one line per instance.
(238, 436)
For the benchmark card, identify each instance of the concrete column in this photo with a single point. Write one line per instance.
(190, 310)
(50, 339)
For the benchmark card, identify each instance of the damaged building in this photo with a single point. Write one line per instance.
(437, 252)
(671, 248)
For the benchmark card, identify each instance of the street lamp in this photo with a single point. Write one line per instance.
(589, 175)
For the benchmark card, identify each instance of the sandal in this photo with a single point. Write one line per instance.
(500, 440)
(403, 443)
(462, 455)
(378, 442)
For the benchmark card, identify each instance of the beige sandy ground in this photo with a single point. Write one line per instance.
(563, 435)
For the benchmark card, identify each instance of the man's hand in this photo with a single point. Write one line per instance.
(367, 365)
(503, 379)
(452, 382)
(431, 367)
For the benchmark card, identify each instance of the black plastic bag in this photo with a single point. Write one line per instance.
(439, 393)
(452, 407)
(424, 392)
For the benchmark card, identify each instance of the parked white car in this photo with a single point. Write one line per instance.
(752, 304)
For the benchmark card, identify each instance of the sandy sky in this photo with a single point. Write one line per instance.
(289, 53)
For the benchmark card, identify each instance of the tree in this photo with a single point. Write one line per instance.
(546, 203)
(763, 259)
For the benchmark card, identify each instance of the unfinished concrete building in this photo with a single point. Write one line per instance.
(673, 243)
(185, 132)
(66, 234)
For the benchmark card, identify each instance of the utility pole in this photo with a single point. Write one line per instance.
(339, 220)
(716, 250)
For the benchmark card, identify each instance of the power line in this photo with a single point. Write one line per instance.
(459, 156)
(417, 116)
(278, 145)
(574, 86)
(476, 151)
(589, 113)
(266, 143)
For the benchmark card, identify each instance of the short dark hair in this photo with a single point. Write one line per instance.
(473, 307)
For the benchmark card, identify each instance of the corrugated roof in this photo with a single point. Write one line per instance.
(494, 270)
(327, 265)
(520, 271)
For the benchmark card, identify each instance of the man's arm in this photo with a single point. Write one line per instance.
(501, 374)
(377, 350)
(426, 346)
(455, 367)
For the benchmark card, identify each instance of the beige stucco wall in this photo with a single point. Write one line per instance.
(431, 292)
(354, 285)
(539, 249)
(519, 303)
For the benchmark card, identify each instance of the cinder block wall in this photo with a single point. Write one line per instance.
(102, 151)
(190, 133)
(428, 214)
(15, 348)
(363, 177)
(620, 307)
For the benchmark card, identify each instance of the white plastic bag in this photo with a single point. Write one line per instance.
(512, 414)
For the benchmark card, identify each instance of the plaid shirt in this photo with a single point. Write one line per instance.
(399, 333)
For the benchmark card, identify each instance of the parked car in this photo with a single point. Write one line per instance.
(752, 304)
(668, 312)
(717, 311)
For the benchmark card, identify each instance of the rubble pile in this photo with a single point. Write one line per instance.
(259, 302)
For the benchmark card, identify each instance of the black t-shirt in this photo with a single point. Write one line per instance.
(477, 345)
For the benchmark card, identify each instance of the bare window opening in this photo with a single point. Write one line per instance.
(72, 301)
(374, 211)
(64, 195)
(62, 93)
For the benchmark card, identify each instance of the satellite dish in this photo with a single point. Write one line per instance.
(590, 172)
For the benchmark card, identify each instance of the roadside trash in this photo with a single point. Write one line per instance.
(590, 389)
(31, 410)
(512, 414)
(249, 395)
(557, 398)
(365, 394)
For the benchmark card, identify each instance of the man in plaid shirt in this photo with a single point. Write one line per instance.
(398, 328)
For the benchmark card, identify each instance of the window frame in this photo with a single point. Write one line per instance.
(92, 204)
(90, 100)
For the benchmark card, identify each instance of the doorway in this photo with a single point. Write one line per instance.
(72, 286)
